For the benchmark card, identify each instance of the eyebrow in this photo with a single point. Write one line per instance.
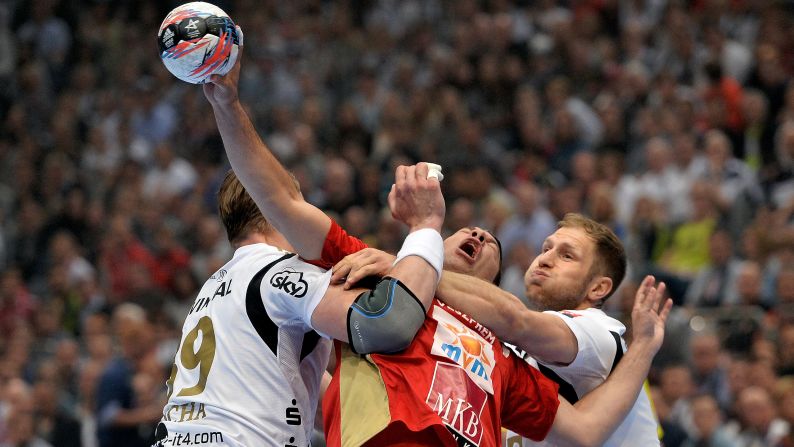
(563, 245)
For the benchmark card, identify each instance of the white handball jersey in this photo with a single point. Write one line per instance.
(601, 345)
(248, 369)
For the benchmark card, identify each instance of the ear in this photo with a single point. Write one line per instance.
(599, 288)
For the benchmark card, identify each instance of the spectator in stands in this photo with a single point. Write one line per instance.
(54, 423)
(749, 285)
(677, 388)
(708, 369)
(715, 284)
(530, 223)
(673, 435)
(785, 366)
(688, 249)
(757, 421)
(515, 93)
(119, 413)
(708, 420)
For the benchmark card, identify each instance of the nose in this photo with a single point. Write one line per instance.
(478, 233)
(545, 258)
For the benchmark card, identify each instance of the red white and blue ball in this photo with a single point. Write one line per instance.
(198, 40)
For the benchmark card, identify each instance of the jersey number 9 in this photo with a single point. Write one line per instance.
(192, 358)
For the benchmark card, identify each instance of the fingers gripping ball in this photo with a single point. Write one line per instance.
(197, 40)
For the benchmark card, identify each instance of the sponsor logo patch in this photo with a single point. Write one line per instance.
(455, 341)
(459, 402)
(291, 282)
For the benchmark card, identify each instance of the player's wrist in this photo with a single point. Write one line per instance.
(426, 243)
(228, 103)
(643, 346)
(425, 226)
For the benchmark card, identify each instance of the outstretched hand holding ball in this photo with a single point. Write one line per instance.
(198, 40)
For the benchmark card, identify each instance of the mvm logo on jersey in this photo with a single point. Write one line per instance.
(291, 282)
(457, 342)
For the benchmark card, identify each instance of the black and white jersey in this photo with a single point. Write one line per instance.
(601, 345)
(248, 369)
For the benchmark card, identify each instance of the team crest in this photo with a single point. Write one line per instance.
(455, 341)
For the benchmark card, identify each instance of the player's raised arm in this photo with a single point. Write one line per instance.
(386, 318)
(593, 419)
(266, 180)
(543, 336)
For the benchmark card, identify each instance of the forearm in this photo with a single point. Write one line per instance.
(269, 184)
(596, 416)
(543, 336)
(413, 271)
(489, 305)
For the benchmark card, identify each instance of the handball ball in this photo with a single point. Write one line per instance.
(198, 40)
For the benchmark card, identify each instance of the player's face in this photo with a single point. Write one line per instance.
(560, 275)
(472, 251)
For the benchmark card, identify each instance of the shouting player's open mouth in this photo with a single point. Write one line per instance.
(470, 249)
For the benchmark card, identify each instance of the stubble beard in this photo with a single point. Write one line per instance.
(556, 300)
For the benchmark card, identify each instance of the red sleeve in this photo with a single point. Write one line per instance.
(530, 400)
(338, 244)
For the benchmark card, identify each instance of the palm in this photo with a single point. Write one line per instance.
(650, 312)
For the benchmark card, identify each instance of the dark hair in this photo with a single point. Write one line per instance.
(498, 279)
(610, 254)
(238, 211)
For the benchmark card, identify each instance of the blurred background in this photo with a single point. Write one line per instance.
(670, 121)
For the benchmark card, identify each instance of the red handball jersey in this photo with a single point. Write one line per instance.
(455, 385)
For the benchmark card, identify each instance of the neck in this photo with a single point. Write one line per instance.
(585, 305)
(274, 239)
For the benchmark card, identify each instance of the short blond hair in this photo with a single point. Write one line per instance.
(610, 255)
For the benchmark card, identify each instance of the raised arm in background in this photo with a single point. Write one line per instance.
(266, 180)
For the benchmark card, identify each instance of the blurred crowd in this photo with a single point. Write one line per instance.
(670, 121)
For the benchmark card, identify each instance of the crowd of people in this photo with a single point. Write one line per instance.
(670, 121)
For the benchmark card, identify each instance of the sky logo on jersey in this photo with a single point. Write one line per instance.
(459, 402)
(291, 282)
(455, 341)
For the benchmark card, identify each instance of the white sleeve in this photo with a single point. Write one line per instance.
(292, 289)
(597, 345)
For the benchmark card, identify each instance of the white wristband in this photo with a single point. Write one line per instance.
(426, 243)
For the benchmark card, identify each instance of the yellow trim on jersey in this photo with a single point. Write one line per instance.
(647, 388)
(509, 440)
(363, 398)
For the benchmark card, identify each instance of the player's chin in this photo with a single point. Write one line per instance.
(457, 265)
